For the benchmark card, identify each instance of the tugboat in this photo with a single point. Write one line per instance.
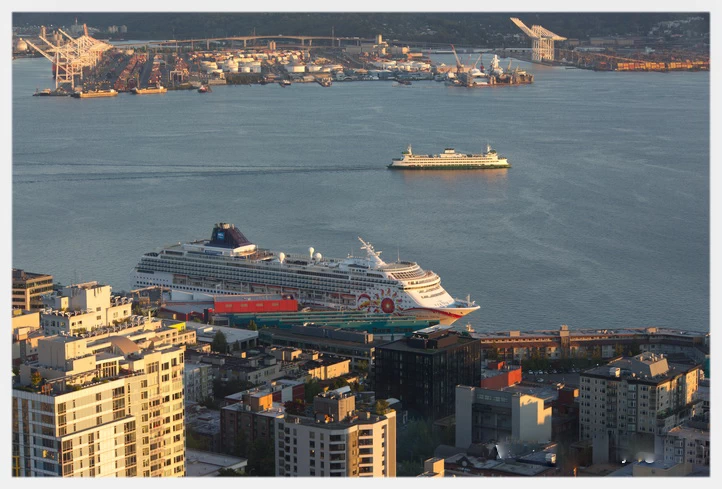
(324, 82)
(204, 89)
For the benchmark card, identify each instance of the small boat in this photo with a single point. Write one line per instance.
(324, 83)
(285, 83)
(403, 82)
(204, 89)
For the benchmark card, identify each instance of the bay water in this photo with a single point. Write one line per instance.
(602, 221)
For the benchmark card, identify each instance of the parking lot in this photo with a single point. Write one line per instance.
(551, 377)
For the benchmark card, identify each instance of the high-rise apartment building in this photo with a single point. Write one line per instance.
(338, 442)
(628, 405)
(99, 407)
(28, 289)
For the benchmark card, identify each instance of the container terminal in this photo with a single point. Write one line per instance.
(88, 65)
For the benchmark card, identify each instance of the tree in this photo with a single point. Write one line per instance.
(339, 382)
(296, 406)
(252, 325)
(312, 388)
(240, 444)
(219, 344)
(261, 459)
(416, 442)
(36, 378)
(381, 406)
(362, 366)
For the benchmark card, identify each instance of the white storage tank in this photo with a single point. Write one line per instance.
(295, 68)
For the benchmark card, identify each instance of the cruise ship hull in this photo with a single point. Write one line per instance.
(445, 315)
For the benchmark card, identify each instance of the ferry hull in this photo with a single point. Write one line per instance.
(446, 167)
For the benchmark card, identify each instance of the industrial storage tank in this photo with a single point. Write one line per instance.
(21, 46)
(295, 68)
(230, 65)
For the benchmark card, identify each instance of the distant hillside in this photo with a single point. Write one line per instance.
(493, 29)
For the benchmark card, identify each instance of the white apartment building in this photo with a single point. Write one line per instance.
(685, 444)
(628, 405)
(500, 414)
(339, 442)
(83, 307)
(105, 407)
(198, 381)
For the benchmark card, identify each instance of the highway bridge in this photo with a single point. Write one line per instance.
(296, 41)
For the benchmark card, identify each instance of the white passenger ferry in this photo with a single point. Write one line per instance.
(449, 160)
(229, 263)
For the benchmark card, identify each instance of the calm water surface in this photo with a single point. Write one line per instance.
(603, 221)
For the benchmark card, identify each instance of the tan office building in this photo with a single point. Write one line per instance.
(28, 288)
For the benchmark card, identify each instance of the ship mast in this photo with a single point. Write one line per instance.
(373, 255)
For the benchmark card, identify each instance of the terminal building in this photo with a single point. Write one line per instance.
(566, 343)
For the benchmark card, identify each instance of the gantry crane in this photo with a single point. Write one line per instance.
(71, 57)
(542, 40)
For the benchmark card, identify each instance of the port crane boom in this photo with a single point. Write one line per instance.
(70, 58)
(459, 66)
(542, 40)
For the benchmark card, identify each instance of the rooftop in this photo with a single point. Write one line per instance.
(207, 464)
(647, 366)
(690, 433)
(584, 333)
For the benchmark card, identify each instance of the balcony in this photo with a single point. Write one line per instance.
(340, 447)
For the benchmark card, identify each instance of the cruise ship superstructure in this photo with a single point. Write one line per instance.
(229, 263)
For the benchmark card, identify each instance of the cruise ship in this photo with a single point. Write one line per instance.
(229, 263)
(448, 160)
